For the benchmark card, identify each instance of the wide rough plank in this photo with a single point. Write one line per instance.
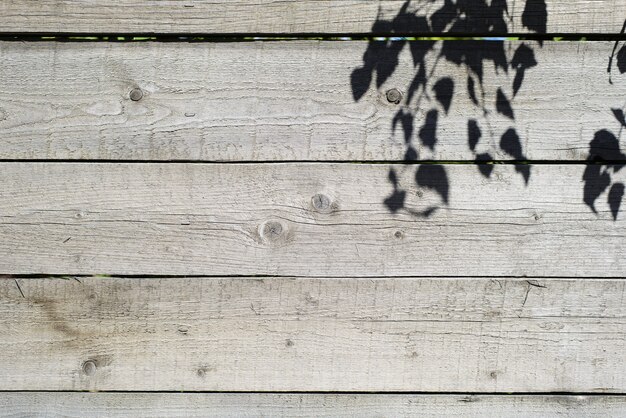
(289, 16)
(311, 219)
(282, 334)
(189, 405)
(294, 101)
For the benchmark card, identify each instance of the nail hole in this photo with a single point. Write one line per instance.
(136, 95)
(394, 96)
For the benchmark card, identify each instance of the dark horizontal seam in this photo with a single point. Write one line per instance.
(9, 276)
(504, 394)
(294, 36)
(362, 162)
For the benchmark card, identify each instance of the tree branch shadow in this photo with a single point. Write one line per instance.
(605, 155)
(436, 92)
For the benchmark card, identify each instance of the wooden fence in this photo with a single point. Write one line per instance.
(229, 199)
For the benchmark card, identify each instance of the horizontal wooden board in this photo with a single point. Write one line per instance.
(190, 405)
(311, 219)
(281, 101)
(282, 334)
(296, 16)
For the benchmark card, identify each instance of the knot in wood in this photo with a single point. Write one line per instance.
(89, 367)
(321, 203)
(272, 230)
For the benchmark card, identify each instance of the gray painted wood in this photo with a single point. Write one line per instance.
(189, 405)
(248, 219)
(272, 101)
(282, 334)
(276, 16)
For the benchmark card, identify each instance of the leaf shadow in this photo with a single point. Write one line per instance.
(432, 94)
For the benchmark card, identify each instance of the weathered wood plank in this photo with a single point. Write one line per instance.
(289, 16)
(190, 405)
(288, 101)
(308, 219)
(275, 334)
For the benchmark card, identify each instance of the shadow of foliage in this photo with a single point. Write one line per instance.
(436, 92)
(605, 156)
(605, 159)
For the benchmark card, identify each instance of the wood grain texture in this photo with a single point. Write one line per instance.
(276, 16)
(281, 101)
(189, 405)
(311, 219)
(282, 334)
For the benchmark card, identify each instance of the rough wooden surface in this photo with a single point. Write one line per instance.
(278, 16)
(281, 334)
(190, 405)
(512, 325)
(283, 101)
(303, 219)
